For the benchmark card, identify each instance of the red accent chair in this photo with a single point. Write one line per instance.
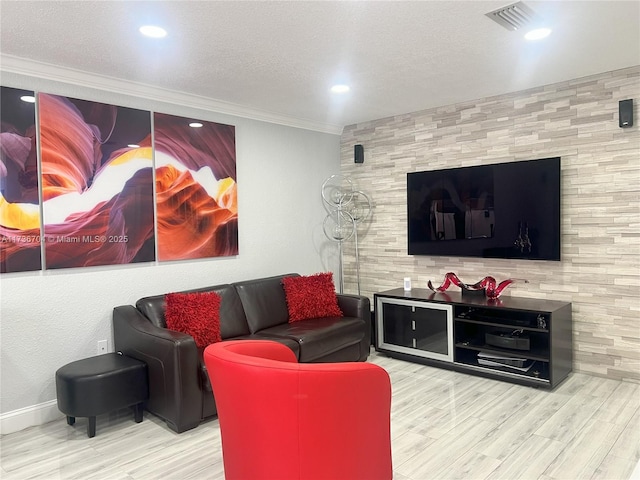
(280, 419)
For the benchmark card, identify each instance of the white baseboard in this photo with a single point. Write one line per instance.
(29, 416)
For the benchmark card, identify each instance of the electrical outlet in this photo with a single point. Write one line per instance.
(103, 346)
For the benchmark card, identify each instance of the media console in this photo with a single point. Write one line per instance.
(523, 340)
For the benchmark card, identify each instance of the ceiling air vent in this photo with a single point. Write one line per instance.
(513, 17)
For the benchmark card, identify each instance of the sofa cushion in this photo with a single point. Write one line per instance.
(264, 302)
(233, 322)
(312, 296)
(153, 308)
(319, 337)
(196, 314)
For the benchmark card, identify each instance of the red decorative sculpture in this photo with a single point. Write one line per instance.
(488, 284)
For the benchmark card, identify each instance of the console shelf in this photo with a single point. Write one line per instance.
(489, 323)
(527, 341)
(540, 355)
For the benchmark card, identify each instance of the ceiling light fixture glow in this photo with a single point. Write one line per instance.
(340, 88)
(195, 125)
(28, 98)
(538, 34)
(153, 31)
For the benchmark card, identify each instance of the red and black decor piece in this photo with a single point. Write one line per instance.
(488, 284)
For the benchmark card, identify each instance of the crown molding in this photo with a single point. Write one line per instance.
(47, 71)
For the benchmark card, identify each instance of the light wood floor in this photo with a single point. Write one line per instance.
(445, 425)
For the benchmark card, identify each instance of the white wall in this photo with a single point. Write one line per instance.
(51, 318)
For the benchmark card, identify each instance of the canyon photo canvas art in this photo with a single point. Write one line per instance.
(196, 190)
(92, 185)
(20, 239)
(97, 183)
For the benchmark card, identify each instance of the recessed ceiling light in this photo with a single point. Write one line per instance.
(28, 98)
(340, 88)
(537, 33)
(195, 125)
(153, 31)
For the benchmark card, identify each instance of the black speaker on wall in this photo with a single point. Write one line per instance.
(358, 154)
(626, 113)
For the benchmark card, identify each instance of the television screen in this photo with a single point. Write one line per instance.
(506, 210)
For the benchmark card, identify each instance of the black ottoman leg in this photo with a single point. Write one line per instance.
(71, 420)
(91, 427)
(137, 409)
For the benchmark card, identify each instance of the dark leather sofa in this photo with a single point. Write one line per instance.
(179, 388)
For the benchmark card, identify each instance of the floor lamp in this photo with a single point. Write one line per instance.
(346, 208)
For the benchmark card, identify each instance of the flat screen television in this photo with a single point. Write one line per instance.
(506, 210)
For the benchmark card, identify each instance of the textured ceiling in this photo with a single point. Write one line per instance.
(280, 58)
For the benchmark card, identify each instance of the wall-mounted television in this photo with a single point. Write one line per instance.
(505, 210)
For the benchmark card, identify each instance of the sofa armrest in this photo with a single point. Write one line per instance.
(354, 305)
(358, 306)
(172, 363)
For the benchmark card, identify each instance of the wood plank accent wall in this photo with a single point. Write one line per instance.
(576, 120)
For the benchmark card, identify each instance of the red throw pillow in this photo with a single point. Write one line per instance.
(196, 314)
(311, 297)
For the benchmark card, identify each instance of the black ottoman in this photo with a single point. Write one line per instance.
(101, 384)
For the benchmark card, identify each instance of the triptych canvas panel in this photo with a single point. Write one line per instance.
(108, 189)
